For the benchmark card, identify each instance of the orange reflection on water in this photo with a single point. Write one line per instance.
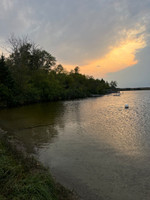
(121, 128)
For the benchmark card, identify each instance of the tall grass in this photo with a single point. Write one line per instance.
(24, 179)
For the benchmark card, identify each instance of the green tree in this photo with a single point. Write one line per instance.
(59, 69)
(27, 54)
(6, 84)
(76, 70)
(5, 75)
(113, 84)
(30, 74)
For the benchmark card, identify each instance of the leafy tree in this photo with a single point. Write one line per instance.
(113, 84)
(41, 59)
(59, 69)
(5, 75)
(27, 54)
(6, 84)
(76, 70)
(30, 75)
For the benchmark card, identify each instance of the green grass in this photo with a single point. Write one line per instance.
(25, 179)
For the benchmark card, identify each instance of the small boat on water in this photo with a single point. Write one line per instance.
(117, 94)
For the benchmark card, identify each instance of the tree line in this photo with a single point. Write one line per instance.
(30, 74)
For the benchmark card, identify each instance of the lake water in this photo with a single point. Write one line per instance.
(94, 146)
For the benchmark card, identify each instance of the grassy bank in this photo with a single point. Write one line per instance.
(23, 178)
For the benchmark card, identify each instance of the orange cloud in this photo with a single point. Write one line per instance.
(119, 57)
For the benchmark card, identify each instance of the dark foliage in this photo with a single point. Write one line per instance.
(31, 75)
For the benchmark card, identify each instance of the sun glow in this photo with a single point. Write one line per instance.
(119, 57)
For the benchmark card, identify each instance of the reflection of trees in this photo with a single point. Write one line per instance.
(44, 122)
(42, 114)
(34, 138)
(35, 125)
(74, 110)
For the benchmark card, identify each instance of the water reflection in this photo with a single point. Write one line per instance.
(94, 146)
(34, 124)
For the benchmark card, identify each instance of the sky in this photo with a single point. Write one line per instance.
(107, 39)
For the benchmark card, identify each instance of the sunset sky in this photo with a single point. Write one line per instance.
(107, 39)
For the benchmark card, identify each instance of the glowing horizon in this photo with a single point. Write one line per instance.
(119, 57)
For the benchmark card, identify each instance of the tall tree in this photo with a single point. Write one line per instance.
(76, 70)
(27, 54)
(5, 75)
(113, 84)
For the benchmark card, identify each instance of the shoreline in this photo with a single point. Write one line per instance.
(42, 102)
(23, 177)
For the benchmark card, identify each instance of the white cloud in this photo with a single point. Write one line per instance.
(7, 5)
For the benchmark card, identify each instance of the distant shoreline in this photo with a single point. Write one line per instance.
(131, 89)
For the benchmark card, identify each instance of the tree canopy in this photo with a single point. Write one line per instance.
(30, 74)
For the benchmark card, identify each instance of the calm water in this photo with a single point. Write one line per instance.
(93, 146)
